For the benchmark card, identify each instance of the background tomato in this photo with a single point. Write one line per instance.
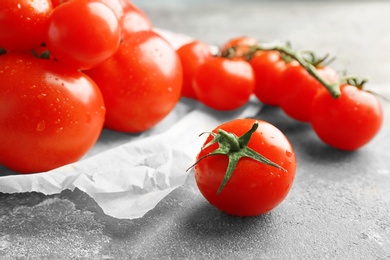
(298, 89)
(134, 19)
(23, 23)
(254, 187)
(86, 41)
(224, 84)
(238, 47)
(192, 55)
(50, 115)
(268, 67)
(141, 83)
(349, 121)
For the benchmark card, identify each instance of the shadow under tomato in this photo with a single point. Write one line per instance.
(208, 222)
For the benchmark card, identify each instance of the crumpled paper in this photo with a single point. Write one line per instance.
(127, 175)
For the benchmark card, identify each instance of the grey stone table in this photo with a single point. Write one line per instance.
(339, 205)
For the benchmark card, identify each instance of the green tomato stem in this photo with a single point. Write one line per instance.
(333, 88)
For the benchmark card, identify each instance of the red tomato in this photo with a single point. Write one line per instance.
(50, 115)
(55, 3)
(23, 23)
(349, 121)
(134, 19)
(268, 67)
(141, 83)
(84, 42)
(192, 55)
(238, 47)
(254, 187)
(224, 84)
(298, 89)
(115, 6)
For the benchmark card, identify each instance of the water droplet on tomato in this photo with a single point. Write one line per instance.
(89, 118)
(41, 96)
(41, 126)
(288, 153)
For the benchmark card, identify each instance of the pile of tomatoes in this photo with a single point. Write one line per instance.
(303, 85)
(68, 68)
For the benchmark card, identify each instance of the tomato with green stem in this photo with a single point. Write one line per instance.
(23, 23)
(141, 83)
(269, 67)
(192, 55)
(349, 121)
(85, 42)
(50, 115)
(298, 88)
(224, 84)
(246, 167)
(238, 47)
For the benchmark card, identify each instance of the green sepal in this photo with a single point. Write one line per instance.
(235, 148)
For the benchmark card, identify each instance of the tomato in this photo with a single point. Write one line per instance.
(224, 84)
(192, 55)
(268, 67)
(245, 186)
(23, 23)
(141, 83)
(238, 47)
(115, 6)
(134, 19)
(298, 89)
(50, 115)
(84, 42)
(55, 3)
(349, 121)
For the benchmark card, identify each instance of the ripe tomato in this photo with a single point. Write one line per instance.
(349, 121)
(23, 23)
(254, 187)
(192, 55)
(86, 41)
(141, 83)
(224, 84)
(50, 115)
(238, 47)
(134, 19)
(115, 6)
(268, 67)
(298, 89)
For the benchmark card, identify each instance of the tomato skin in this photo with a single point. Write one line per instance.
(298, 89)
(348, 122)
(192, 55)
(224, 84)
(50, 115)
(134, 19)
(23, 23)
(241, 45)
(141, 83)
(85, 42)
(254, 188)
(268, 67)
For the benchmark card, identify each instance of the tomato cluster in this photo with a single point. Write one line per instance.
(303, 85)
(68, 68)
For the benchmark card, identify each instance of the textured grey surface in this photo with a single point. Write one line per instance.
(339, 205)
